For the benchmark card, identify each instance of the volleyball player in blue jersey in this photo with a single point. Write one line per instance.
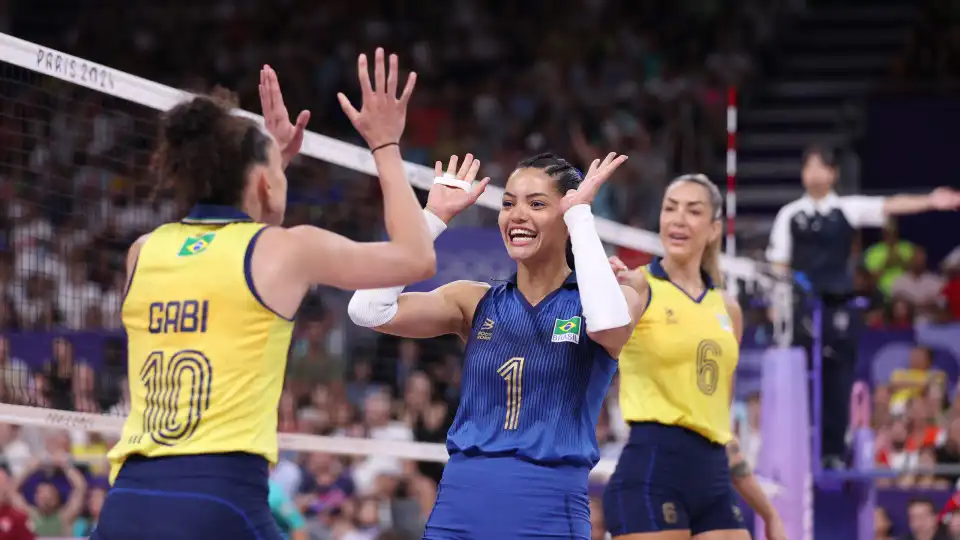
(539, 356)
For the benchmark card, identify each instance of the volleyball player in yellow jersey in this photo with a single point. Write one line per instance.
(673, 479)
(210, 304)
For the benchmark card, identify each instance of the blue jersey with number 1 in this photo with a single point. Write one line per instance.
(533, 382)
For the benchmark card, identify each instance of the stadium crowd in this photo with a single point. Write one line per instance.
(74, 193)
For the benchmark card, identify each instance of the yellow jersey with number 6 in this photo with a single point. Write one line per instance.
(206, 357)
(677, 368)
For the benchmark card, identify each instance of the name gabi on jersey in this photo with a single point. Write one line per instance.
(567, 330)
(177, 316)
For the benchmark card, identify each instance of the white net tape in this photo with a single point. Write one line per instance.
(156, 96)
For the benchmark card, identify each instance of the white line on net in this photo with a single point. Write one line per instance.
(161, 97)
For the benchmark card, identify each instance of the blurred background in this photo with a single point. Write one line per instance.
(875, 81)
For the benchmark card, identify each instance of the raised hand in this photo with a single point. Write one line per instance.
(945, 199)
(382, 115)
(276, 119)
(598, 173)
(445, 202)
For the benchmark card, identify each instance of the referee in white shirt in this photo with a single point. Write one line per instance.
(814, 235)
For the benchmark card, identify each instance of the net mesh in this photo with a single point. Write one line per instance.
(75, 140)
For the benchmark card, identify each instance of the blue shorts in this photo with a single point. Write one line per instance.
(189, 498)
(669, 478)
(481, 498)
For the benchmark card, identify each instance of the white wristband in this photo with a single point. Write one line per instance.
(604, 306)
(434, 224)
(376, 307)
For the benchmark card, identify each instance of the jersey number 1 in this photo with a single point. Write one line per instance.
(165, 380)
(512, 372)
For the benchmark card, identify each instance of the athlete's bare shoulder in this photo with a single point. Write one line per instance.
(466, 294)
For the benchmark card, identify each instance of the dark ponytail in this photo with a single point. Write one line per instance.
(569, 254)
(567, 177)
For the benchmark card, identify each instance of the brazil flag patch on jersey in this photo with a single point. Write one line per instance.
(567, 330)
(196, 244)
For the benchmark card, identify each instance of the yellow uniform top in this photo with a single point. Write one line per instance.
(206, 357)
(678, 365)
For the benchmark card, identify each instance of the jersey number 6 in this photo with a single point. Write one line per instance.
(512, 372)
(708, 373)
(185, 375)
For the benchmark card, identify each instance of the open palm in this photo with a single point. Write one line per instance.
(444, 201)
(598, 173)
(276, 119)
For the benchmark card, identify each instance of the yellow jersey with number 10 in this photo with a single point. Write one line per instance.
(206, 357)
(678, 365)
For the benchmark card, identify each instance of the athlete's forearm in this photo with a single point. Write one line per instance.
(402, 210)
(371, 308)
(747, 486)
(299, 534)
(604, 305)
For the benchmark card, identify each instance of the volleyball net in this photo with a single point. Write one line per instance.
(75, 141)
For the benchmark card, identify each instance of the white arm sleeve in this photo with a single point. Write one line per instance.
(863, 211)
(604, 305)
(781, 243)
(376, 307)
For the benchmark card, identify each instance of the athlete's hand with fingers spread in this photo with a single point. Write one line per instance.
(382, 115)
(445, 202)
(276, 119)
(598, 173)
(945, 199)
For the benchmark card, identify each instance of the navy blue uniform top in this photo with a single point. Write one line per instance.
(533, 383)
(816, 237)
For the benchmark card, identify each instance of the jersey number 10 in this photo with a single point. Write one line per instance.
(512, 372)
(166, 380)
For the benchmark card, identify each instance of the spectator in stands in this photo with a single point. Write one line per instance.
(912, 381)
(16, 522)
(52, 513)
(16, 383)
(16, 452)
(325, 485)
(864, 287)
(888, 259)
(899, 315)
(882, 527)
(951, 290)
(361, 383)
(953, 526)
(87, 521)
(948, 450)
(920, 287)
(379, 425)
(892, 447)
(922, 521)
(55, 380)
